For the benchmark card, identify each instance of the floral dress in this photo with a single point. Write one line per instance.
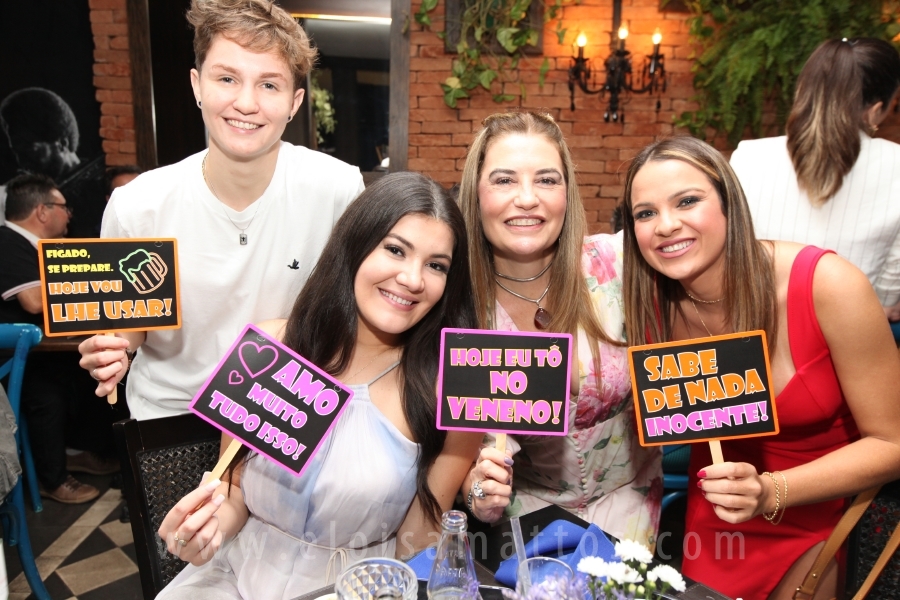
(599, 471)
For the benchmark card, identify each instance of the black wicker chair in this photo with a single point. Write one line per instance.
(869, 538)
(162, 460)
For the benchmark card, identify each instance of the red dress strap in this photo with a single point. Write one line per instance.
(805, 335)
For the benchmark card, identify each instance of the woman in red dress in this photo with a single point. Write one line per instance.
(693, 268)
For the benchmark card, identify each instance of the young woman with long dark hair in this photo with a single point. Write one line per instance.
(393, 274)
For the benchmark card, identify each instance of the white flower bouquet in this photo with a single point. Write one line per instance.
(630, 578)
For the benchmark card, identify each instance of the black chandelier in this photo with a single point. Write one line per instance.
(618, 70)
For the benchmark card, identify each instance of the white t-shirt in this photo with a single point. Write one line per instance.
(861, 222)
(224, 285)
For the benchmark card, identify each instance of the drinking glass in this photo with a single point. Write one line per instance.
(380, 578)
(549, 574)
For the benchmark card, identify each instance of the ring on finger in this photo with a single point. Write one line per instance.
(181, 541)
(477, 490)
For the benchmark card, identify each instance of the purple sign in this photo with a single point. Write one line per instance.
(272, 399)
(504, 381)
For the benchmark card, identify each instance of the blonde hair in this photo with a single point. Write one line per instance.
(839, 81)
(652, 299)
(258, 25)
(569, 299)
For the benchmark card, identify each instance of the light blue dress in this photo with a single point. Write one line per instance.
(302, 531)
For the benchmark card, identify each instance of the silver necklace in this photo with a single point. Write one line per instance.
(242, 237)
(523, 279)
(541, 316)
(368, 364)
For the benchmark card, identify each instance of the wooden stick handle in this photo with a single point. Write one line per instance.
(715, 448)
(224, 461)
(113, 396)
(501, 442)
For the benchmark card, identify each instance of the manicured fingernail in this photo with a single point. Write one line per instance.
(212, 485)
(218, 500)
(701, 473)
(700, 484)
(508, 461)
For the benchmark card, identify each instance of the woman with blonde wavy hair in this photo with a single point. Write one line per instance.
(533, 269)
(693, 269)
(830, 181)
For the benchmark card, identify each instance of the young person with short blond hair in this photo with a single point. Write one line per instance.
(251, 214)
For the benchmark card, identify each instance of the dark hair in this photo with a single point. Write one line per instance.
(113, 172)
(322, 325)
(841, 79)
(38, 115)
(26, 192)
(652, 299)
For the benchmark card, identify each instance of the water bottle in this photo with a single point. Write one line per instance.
(453, 573)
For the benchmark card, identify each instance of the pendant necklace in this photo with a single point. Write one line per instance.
(541, 315)
(702, 322)
(242, 237)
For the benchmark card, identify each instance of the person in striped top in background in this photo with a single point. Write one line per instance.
(829, 182)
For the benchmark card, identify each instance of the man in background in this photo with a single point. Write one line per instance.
(53, 386)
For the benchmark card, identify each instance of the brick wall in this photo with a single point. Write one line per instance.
(438, 135)
(112, 78)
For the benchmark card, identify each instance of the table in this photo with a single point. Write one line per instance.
(53, 344)
(487, 552)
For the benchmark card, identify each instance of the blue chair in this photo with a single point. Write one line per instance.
(12, 511)
(675, 477)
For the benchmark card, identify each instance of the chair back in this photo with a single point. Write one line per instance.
(675, 468)
(20, 337)
(162, 460)
(868, 539)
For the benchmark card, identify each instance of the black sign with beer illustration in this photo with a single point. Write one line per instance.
(107, 285)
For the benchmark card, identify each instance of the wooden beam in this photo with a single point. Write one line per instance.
(142, 83)
(398, 133)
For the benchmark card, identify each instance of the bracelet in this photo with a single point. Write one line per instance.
(776, 515)
(784, 503)
(770, 517)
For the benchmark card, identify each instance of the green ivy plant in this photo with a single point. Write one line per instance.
(323, 111)
(751, 51)
(486, 25)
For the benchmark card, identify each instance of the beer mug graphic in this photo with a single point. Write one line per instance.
(146, 271)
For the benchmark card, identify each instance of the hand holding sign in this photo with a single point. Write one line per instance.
(105, 286)
(192, 530)
(503, 382)
(704, 389)
(266, 396)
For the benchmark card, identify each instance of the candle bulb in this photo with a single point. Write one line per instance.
(581, 42)
(654, 60)
(623, 33)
